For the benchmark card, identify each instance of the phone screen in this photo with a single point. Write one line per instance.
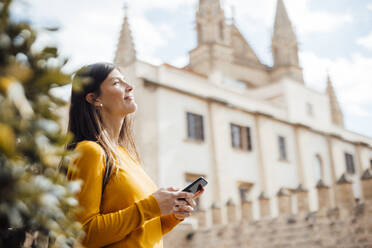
(195, 186)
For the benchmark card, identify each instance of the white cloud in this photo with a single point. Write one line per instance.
(365, 41)
(308, 21)
(304, 19)
(89, 30)
(180, 61)
(148, 38)
(369, 6)
(351, 79)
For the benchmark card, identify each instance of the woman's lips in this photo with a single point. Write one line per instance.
(128, 98)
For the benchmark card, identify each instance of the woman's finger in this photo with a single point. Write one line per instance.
(184, 208)
(173, 189)
(198, 193)
(191, 202)
(181, 202)
(182, 194)
(182, 214)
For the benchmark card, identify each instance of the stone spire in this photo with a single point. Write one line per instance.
(285, 46)
(283, 30)
(210, 23)
(336, 113)
(213, 52)
(125, 52)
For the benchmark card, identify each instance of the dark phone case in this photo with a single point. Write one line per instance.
(195, 186)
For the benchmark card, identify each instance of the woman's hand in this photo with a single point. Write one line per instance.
(183, 208)
(167, 200)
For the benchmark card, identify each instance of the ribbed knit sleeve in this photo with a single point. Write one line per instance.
(104, 229)
(168, 222)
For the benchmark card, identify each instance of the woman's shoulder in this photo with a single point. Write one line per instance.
(89, 147)
(88, 158)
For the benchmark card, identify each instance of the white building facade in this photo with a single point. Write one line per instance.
(248, 128)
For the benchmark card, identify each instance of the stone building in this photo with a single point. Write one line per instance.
(265, 141)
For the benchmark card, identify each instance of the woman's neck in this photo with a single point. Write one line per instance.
(113, 126)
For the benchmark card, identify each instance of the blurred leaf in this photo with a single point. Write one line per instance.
(4, 84)
(20, 72)
(7, 140)
(51, 29)
(35, 196)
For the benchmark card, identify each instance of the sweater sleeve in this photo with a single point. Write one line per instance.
(168, 222)
(104, 229)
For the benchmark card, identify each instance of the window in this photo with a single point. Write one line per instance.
(318, 174)
(236, 136)
(244, 190)
(195, 127)
(189, 178)
(309, 109)
(221, 30)
(282, 148)
(349, 163)
(241, 137)
(199, 32)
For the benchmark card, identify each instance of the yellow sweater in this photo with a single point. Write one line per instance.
(127, 215)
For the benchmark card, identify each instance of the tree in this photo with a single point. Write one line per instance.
(34, 195)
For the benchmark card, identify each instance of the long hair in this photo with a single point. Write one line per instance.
(85, 120)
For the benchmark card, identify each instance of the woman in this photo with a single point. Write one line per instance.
(121, 206)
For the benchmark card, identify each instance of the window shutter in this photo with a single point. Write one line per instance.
(201, 128)
(189, 125)
(282, 148)
(236, 136)
(232, 135)
(248, 138)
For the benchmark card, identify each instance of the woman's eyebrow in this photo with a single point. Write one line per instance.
(121, 78)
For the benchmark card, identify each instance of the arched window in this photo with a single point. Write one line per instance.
(221, 29)
(318, 168)
(199, 32)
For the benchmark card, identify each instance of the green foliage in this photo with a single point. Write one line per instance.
(34, 195)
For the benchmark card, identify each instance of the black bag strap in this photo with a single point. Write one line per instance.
(106, 170)
(106, 173)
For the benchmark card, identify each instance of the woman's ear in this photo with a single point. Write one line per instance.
(92, 99)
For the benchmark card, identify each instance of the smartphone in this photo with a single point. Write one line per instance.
(195, 186)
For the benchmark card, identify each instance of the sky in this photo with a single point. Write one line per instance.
(335, 38)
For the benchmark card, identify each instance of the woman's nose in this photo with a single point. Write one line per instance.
(129, 87)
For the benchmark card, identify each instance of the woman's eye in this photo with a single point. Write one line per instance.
(116, 82)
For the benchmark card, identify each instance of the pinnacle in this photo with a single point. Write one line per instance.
(344, 179)
(283, 192)
(300, 188)
(321, 184)
(125, 53)
(209, 4)
(263, 195)
(336, 112)
(367, 174)
(282, 25)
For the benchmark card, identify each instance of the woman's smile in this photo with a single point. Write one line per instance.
(130, 98)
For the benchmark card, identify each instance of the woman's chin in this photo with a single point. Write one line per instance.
(131, 109)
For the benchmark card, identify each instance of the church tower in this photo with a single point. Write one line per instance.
(285, 47)
(210, 23)
(336, 112)
(213, 38)
(125, 51)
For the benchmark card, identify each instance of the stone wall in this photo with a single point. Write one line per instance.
(348, 225)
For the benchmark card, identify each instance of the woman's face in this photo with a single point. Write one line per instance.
(117, 95)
